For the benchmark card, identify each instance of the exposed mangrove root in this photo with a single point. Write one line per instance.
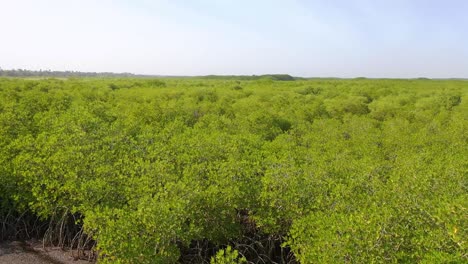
(62, 230)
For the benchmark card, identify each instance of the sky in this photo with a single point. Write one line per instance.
(315, 38)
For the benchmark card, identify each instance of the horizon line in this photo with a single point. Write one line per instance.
(131, 74)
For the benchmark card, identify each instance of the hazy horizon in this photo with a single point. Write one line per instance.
(344, 39)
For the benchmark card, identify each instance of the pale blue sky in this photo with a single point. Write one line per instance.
(342, 38)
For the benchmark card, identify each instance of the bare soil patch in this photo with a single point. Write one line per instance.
(32, 252)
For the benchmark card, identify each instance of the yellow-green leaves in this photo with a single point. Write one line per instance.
(360, 171)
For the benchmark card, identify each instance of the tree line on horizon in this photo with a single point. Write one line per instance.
(67, 74)
(60, 74)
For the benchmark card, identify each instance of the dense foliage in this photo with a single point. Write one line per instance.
(353, 171)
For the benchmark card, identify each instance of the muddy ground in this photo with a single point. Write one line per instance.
(33, 252)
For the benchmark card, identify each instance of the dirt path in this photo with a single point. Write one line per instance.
(32, 252)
